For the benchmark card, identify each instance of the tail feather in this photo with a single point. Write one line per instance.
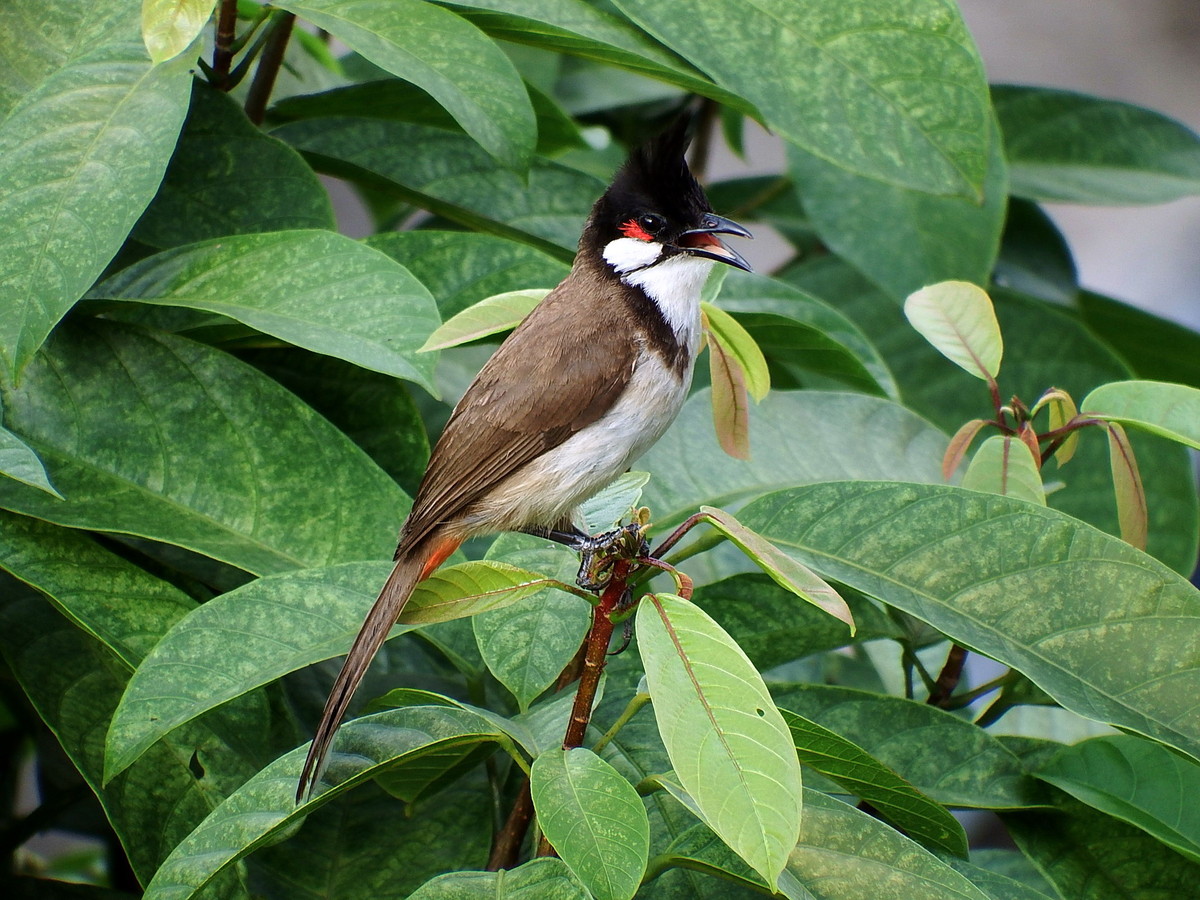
(408, 571)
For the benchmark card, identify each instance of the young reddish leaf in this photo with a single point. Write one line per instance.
(958, 319)
(491, 315)
(786, 572)
(959, 444)
(737, 343)
(1127, 484)
(1030, 439)
(1003, 464)
(730, 404)
(1062, 410)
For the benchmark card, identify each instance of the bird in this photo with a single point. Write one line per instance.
(588, 381)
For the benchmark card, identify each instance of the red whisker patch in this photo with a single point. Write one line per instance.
(634, 230)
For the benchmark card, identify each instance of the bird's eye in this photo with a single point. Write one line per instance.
(652, 223)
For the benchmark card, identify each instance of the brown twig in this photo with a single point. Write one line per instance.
(268, 68)
(507, 845)
(223, 50)
(947, 680)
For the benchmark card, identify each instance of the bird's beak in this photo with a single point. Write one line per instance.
(703, 241)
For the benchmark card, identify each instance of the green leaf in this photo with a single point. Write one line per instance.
(995, 885)
(921, 818)
(594, 819)
(264, 809)
(81, 154)
(227, 177)
(1004, 465)
(727, 742)
(448, 175)
(460, 268)
(442, 54)
(251, 636)
(800, 580)
(168, 26)
(730, 401)
(157, 436)
(492, 315)
(1085, 853)
(1156, 348)
(971, 768)
(1015, 866)
(19, 462)
(892, 90)
(845, 436)
(545, 879)
(1127, 486)
(958, 319)
(1170, 410)
(1138, 781)
(1035, 258)
(119, 604)
(740, 346)
(899, 238)
(1039, 599)
(315, 289)
(1074, 148)
(798, 331)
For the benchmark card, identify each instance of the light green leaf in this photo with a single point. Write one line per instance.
(1170, 410)
(594, 819)
(835, 757)
(1029, 587)
(904, 239)
(613, 503)
(958, 319)
(492, 315)
(800, 580)
(227, 177)
(81, 154)
(448, 175)
(971, 769)
(1003, 464)
(251, 636)
(890, 89)
(154, 435)
(264, 809)
(1132, 513)
(315, 289)
(727, 742)
(1075, 148)
(1136, 780)
(738, 344)
(442, 54)
(843, 436)
(996, 886)
(19, 462)
(544, 879)
(168, 26)
(1061, 409)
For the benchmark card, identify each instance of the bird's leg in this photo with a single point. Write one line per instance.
(597, 553)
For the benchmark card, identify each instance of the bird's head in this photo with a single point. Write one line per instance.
(655, 211)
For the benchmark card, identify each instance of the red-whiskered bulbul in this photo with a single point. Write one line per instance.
(587, 382)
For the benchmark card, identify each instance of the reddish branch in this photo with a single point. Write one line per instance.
(223, 51)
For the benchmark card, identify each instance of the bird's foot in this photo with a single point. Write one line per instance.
(599, 553)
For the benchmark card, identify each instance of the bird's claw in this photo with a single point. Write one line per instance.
(598, 553)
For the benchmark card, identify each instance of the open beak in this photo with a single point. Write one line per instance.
(703, 241)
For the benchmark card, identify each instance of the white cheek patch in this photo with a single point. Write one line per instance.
(629, 254)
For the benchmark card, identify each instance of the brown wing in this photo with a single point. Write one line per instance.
(538, 389)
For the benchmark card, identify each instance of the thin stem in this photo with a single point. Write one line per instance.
(268, 68)
(596, 655)
(223, 51)
(948, 678)
(966, 698)
(683, 584)
(631, 710)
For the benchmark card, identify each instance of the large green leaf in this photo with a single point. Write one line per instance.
(996, 886)
(897, 801)
(797, 437)
(544, 879)
(727, 742)
(81, 154)
(258, 633)
(153, 435)
(1028, 586)
(890, 89)
(1136, 780)
(904, 239)
(460, 268)
(264, 809)
(447, 174)
(443, 54)
(227, 177)
(19, 462)
(1170, 410)
(970, 769)
(593, 818)
(315, 289)
(1071, 147)
(168, 26)
(1156, 348)
(1087, 854)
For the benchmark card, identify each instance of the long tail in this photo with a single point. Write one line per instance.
(410, 568)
